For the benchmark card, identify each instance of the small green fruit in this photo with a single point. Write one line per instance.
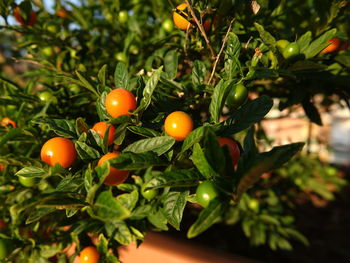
(123, 16)
(237, 96)
(291, 50)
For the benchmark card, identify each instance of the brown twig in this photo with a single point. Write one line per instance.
(200, 26)
(220, 52)
(41, 65)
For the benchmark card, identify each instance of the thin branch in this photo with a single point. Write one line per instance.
(41, 66)
(200, 26)
(220, 52)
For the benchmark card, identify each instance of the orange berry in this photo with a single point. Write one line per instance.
(119, 102)
(178, 125)
(179, 17)
(101, 128)
(5, 122)
(335, 42)
(115, 176)
(89, 254)
(58, 150)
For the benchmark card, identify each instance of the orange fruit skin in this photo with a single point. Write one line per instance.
(63, 13)
(101, 128)
(119, 102)
(89, 254)
(179, 20)
(2, 167)
(335, 42)
(7, 121)
(233, 149)
(178, 125)
(58, 150)
(115, 176)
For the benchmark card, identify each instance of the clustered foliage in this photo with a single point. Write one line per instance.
(59, 67)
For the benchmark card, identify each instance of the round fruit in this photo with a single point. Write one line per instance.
(51, 27)
(115, 176)
(28, 181)
(207, 25)
(2, 167)
(58, 150)
(254, 205)
(133, 49)
(47, 96)
(180, 17)
(63, 13)
(7, 122)
(232, 147)
(178, 125)
(237, 96)
(205, 193)
(123, 16)
(168, 25)
(47, 51)
(2, 224)
(281, 44)
(89, 254)
(334, 45)
(101, 128)
(291, 50)
(120, 56)
(119, 102)
(149, 194)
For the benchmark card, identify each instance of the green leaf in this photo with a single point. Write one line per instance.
(171, 63)
(86, 84)
(69, 184)
(159, 145)
(268, 39)
(123, 234)
(31, 172)
(173, 207)
(102, 75)
(265, 162)
(149, 89)
(250, 113)
(86, 152)
(64, 128)
(199, 72)
(179, 178)
(207, 218)
(133, 161)
(319, 44)
(218, 100)
(121, 76)
(304, 41)
(102, 245)
(101, 108)
(39, 213)
(13, 133)
(108, 208)
(158, 219)
(296, 235)
(129, 200)
(194, 137)
(146, 132)
(312, 112)
(199, 160)
(232, 51)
